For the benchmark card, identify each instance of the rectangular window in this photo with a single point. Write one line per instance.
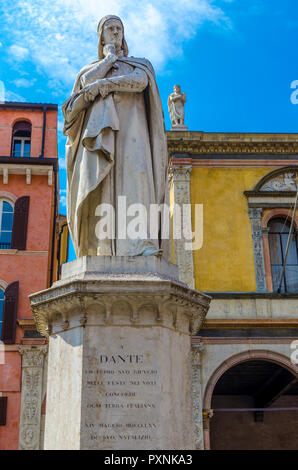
(27, 148)
(17, 148)
(6, 223)
(21, 147)
(278, 239)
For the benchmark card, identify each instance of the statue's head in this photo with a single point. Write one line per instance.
(177, 89)
(110, 30)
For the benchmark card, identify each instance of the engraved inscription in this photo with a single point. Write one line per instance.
(121, 398)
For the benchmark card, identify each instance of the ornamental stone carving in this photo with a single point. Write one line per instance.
(32, 373)
(282, 182)
(33, 355)
(180, 181)
(75, 300)
(255, 215)
(197, 350)
(203, 146)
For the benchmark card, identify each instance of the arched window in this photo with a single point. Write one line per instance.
(279, 230)
(1, 308)
(6, 221)
(21, 142)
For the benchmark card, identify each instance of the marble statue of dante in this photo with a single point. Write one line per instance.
(176, 102)
(116, 145)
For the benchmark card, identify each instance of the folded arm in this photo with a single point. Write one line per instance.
(134, 82)
(98, 71)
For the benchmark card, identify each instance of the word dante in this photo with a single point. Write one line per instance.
(119, 359)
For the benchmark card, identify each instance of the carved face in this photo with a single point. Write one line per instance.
(177, 89)
(112, 33)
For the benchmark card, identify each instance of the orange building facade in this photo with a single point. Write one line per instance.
(28, 225)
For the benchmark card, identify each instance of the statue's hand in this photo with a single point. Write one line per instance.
(91, 91)
(110, 52)
(99, 87)
(103, 87)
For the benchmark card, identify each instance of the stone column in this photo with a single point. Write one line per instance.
(255, 215)
(32, 376)
(119, 367)
(207, 415)
(197, 394)
(180, 184)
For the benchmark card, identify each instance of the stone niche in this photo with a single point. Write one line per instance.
(119, 373)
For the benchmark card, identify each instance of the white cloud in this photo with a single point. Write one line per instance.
(62, 201)
(24, 83)
(7, 95)
(61, 36)
(2, 92)
(18, 52)
(62, 164)
(12, 96)
(62, 198)
(60, 124)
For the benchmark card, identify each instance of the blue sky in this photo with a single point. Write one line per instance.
(236, 59)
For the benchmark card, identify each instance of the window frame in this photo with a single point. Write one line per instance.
(1, 308)
(278, 235)
(278, 213)
(11, 203)
(23, 141)
(21, 126)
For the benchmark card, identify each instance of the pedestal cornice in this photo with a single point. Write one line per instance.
(68, 303)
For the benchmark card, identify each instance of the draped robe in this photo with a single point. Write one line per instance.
(116, 146)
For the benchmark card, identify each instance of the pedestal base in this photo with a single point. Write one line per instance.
(119, 373)
(179, 127)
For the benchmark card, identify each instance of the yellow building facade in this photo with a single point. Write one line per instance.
(245, 389)
(244, 360)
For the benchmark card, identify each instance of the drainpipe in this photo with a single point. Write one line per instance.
(43, 131)
(54, 225)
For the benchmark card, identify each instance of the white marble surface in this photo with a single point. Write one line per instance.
(119, 373)
(119, 265)
(116, 148)
(120, 385)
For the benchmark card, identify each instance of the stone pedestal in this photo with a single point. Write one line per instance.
(179, 127)
(119, 373)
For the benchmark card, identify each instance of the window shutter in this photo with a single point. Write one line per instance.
(3, 409)
(10, 308)
(20, 223)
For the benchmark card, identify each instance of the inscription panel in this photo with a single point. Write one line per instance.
(121, 396)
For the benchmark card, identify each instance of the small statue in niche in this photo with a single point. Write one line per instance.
(176, 102)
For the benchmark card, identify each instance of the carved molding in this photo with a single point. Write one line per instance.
(282, 182)
(180, 145)
(255, 215)
(196, 353)
(180, 179)
(33, 356)
(72, 304)
(180, 174)
(32, 374)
